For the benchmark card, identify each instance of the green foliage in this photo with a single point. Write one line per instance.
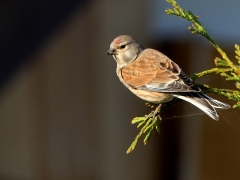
(224, 67)
(148, 124)
(237, 51)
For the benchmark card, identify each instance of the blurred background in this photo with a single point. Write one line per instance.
(65, 115)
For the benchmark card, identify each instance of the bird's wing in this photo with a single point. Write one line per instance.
(154, 71)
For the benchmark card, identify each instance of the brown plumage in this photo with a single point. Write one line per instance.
(155, 78)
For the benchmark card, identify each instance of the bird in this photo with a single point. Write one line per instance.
(155, 78)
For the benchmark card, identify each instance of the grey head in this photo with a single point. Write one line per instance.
(124, 50)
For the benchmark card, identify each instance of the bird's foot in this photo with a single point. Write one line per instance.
(155, 112)
(147, 123)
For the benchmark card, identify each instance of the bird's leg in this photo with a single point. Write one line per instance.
(156, 111)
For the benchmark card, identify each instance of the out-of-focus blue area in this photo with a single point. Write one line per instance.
(219, 17)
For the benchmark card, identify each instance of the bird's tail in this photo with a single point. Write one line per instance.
(203, 102)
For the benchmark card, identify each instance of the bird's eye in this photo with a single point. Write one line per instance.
(122, 46)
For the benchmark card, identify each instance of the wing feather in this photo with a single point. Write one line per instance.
(153, 71)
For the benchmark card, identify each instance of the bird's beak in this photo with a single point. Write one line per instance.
(111, 51)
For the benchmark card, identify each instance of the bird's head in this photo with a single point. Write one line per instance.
(124, 50)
